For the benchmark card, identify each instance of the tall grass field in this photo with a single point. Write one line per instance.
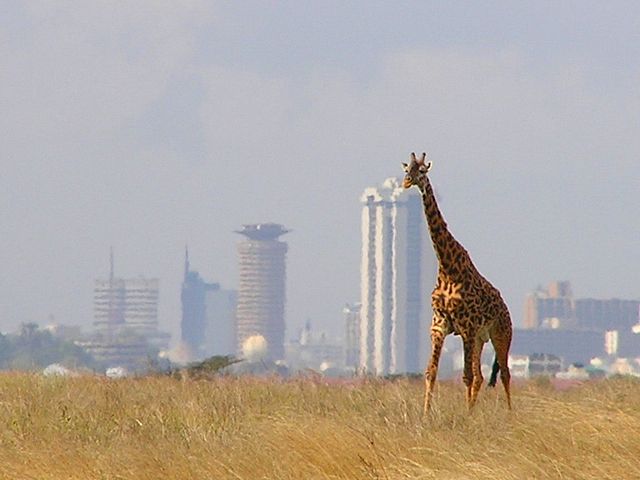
(251, 428)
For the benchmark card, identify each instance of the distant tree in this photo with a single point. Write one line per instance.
(32, 348)
(6, 350)
(209, 367)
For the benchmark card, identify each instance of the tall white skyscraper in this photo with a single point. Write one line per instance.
(398, 273)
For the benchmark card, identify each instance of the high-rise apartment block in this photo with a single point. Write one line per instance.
(398, 271)
(261, 288)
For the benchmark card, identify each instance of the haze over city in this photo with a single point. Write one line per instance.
(150, 126)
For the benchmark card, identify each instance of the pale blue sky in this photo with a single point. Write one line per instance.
(148, 125)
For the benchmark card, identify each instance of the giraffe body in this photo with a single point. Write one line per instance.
(463, 301)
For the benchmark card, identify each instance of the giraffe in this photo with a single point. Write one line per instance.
(464, 302)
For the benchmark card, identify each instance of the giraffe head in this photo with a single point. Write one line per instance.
(416, 170)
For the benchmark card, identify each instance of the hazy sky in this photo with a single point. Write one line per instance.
(151, 124)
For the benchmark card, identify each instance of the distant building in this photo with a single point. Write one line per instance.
(574, 346)
(575, 372)
(130, 303)
(552, 307)
(261, 290)
(194, 315)
(537, 364)
(556, 307)
(64, 332)
(625, 366)
(544, 364)
(208, 316)
(623, 343)
(352, 335)
(125, 323)
(398, 271)
(130, 352)
(577, 329)
(612, 314)
(314, 351)
(220, 327)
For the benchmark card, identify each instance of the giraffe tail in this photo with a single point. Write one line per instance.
(494, 373)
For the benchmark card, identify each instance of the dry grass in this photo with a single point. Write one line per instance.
(151, 428)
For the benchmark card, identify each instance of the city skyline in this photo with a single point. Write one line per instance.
(150, 126)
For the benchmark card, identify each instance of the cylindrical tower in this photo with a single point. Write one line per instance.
(261, 289)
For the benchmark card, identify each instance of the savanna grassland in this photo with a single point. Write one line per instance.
(244, 428)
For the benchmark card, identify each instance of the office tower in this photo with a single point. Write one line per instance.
(261, 288)
(125, 321)
(220, 327)
(208, 316)
(194, 313)
(130, 303)
(352, 335)
(141, 304)
(126, 302)
(398, 272)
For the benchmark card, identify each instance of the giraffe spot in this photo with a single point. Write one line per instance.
(449, 295)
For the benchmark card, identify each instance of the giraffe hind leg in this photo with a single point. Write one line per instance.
(501, 342)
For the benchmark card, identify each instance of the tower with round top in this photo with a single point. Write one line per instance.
(261, 286)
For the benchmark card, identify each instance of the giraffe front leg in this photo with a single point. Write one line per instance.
(438, 334)
(467, 373)
(476, 367)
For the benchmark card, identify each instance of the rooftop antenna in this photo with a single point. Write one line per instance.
(111, 264)
(186, 261)
(112, 310)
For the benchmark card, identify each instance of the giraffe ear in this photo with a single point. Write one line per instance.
(405, 167)
(425, 167)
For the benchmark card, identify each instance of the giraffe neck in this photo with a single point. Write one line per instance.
(448, 250)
